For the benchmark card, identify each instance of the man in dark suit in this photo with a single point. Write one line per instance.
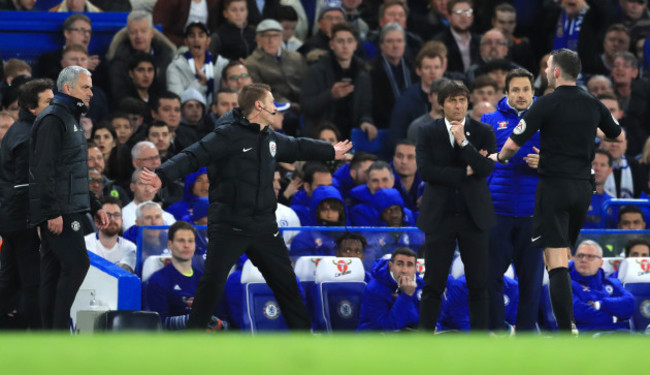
(456, 205)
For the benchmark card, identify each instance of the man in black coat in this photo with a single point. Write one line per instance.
(19, 259)
(59, 197)
(461, 18)
(337, 88)
(456, 205)
(241, 155)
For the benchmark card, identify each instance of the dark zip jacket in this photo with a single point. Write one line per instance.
(58, 162)
(14, 174)
(241, 161)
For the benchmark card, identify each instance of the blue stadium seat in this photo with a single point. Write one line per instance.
(305, 269)
(27, 35)
(259, 307)
(634, 274)
(611, 265)
(337, 294)
(378, 146)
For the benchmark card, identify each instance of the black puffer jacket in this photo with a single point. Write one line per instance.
(14, 174)
(241, 162)
(58, 161)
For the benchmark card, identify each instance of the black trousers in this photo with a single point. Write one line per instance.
(19, 276)
(270, 255)
(64, 264)
(510, 241)
(473, 245)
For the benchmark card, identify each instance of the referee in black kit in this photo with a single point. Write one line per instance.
(241, 154)
(568, 121)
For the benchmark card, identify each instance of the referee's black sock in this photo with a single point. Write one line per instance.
(561, 297)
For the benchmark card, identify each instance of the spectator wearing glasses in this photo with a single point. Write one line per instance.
(599, 302)
(505, 20)
(462, 44)
(77, 29)
(107, 242)
(109, 187)
(145, 155)
(494, 46)
(235, 76)
(276, 66)
(141, 193)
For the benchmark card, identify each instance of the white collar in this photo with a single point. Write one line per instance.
(448, 124)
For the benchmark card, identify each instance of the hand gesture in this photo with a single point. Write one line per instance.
(458, 131)
(101, 219)
(203, 79)
(342, 89)
(493, 157)
(148, 177)
(532, 159)
(55, 225)
(407, 285)
(369, 129)
(341, 148)
(292, 188)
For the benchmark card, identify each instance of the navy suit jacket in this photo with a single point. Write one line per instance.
(444, 168)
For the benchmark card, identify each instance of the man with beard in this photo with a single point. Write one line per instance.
(107, 242)
(19, 259)
(567, 120)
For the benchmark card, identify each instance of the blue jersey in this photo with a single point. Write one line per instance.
(170, 294)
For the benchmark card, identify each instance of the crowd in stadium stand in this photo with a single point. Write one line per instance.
(336, 69)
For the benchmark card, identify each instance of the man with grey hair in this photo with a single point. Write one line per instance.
(59, 196)
(493, 46)
(624, 73)
(154, 241)
(599, 302)
(141, 193)
(599, 84)
(390, 74)
(138, 36)
(145, 155)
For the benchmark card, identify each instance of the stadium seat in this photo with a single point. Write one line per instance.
(420, 267)
(337, 294)
(128, 320)
(376, 146)
(634, 274)
(305, 269)
(259, 307)
(153, 264)
(611, 265)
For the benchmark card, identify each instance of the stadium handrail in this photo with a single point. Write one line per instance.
(620, 202)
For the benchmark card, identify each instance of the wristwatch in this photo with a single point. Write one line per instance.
(501, 161)
(464, 143)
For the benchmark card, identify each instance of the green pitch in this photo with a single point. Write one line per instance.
(395, 354)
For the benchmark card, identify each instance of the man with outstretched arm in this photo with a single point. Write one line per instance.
(241, 154)
(568, 121)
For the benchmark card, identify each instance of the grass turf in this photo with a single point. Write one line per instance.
(396, 354)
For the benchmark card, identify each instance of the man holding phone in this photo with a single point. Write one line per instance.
(391, 301)
(337, 88)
